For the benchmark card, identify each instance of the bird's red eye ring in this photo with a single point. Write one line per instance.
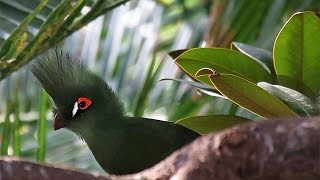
(84, 103)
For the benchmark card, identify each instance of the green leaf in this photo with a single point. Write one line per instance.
(41, 149)
(54, 22)
(261, 56)
(250, 96)
(296, 54)
(16, 127)
(11, 44)
(222, 61)
(206, 124)
(5, 139)
(298, 102)
(202, 87)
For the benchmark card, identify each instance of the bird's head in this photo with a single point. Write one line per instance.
(83, 100)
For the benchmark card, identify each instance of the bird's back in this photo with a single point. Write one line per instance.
(174, 134)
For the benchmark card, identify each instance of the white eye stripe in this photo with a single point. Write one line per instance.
(75, 109)
(55, 116)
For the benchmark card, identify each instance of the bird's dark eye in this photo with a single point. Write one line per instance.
(84, 103)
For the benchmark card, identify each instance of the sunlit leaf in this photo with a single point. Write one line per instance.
(296, 54)
(222, 61)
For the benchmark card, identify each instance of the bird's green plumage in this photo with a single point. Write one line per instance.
(120, 144)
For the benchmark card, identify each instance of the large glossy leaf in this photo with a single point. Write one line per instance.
(298, 102)
(222, 61)
(296, 54)
(206, 124)
(248, 95)
(262, 56)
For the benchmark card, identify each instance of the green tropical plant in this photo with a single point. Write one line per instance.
(52, 22)
(284, 84)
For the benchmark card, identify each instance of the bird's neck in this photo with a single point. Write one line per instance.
(104, 125)
(105, 140)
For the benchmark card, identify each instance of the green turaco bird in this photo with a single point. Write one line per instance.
(86, 105)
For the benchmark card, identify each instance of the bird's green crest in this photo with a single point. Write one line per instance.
(65, 79)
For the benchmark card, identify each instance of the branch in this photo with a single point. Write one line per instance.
(17, 169)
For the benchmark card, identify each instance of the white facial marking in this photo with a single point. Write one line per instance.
(75, 109)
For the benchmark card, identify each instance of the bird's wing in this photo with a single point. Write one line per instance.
(145, 142)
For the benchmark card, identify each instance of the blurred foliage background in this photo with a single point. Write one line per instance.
(128, 47)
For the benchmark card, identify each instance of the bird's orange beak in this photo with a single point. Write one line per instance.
(58, 122)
